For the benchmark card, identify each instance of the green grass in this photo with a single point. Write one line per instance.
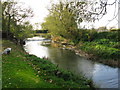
(21, 70)
(65, 78)
(102, 51)
(105, 45)
(16, 71)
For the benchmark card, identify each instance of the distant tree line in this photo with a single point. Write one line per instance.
(41, 31)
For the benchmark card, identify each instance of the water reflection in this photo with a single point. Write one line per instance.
(105, 76)
(34, 47)
(102, 75)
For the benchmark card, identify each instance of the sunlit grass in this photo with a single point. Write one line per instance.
(17, 73)
(21, 70)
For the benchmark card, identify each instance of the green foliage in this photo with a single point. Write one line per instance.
(65, 79)
(103, 44)
(14, 20)
(87, 35)
(60, 22)
(99, 37)
(106, 42)
(20, 70)
(16, 71)
(64, 19)
(113, 35)
(48, 35)
(117, 45)
(102, 51)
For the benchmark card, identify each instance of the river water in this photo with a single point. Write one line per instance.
(102, 75)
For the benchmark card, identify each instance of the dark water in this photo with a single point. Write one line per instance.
(102, 75)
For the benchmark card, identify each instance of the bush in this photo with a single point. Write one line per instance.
(105, 42)
(117, 45)
(101, 50)
(114, 36)
(59, 76)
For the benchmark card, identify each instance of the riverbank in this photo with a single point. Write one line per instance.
(105, 48)
(21, 70)
(88, 55)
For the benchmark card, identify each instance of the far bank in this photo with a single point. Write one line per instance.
(104, 47)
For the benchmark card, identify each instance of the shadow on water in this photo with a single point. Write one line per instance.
(102, 75)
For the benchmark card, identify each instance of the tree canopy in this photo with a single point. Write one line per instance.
(65, 17)
(15, 19)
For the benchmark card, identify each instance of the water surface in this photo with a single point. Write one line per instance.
(102, 75)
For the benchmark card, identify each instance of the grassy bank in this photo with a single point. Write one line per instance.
(103, 47)
(20, 70)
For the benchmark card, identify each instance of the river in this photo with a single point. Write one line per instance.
(102, 75)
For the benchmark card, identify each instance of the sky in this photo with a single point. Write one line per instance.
(40, 10)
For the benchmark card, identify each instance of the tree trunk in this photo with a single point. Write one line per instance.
(8, 31)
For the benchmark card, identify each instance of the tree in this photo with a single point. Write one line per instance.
(65, 17)
(13, 17)
(99, 8)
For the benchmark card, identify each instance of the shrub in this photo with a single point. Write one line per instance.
(101, 50)
(117, 45)
(59, 76)
(114, 36)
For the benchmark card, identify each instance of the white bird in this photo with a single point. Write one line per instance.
(7, 51)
